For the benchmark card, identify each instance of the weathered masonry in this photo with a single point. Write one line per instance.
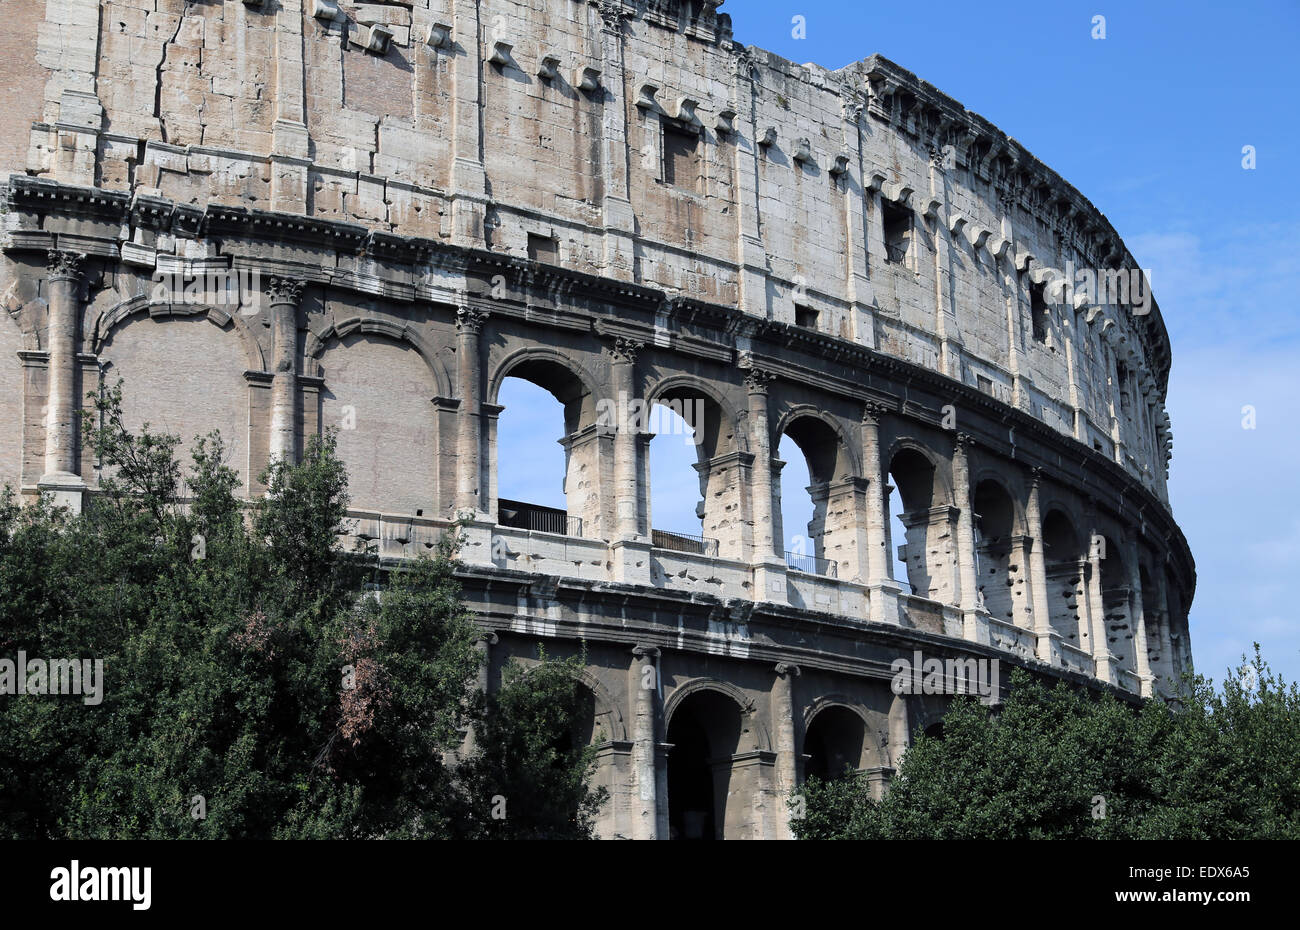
(272, 217)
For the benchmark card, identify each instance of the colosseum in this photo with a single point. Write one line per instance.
(273, 217)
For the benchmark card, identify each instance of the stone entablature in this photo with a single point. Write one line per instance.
(485, 124)
(981, 481)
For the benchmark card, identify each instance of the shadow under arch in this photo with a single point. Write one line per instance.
(710, 726)
(1000, 565)
(837, 734)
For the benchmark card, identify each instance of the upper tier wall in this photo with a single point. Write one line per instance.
(861, 202)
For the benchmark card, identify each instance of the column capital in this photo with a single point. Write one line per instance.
(485, 640)
(963, 443)
(643, 651)
(625, 350)
(285, 290)
(470, 319)
(757, 379)
(788, 670)
(1035, 476)
(64, 265)
(873, 411)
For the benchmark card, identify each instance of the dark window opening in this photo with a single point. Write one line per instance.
(1038, 312)
(1122, 372)
(681, 157)
(805, 316)
(543, 249)
(896, 223)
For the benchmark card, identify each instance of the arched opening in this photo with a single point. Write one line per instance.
(926, 552)
(676, 482)
(1000, 578)
(696, 501)
(1116, 589)
(704, 734)
(813, 462)
(546, 452)
(834, 743)
(1065, 561)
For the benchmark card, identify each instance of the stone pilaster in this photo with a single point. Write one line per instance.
(967, 598)
(884, 592)
(631, 544)
(644, 683)
(61, 478)
(787, 757)
(469, 382)
(767, 558)
(1042, 616)
(1137, 616)
(619, 216)
(1096, 624)
(468, 193)
(285, 293)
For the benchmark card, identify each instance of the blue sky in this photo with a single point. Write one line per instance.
(1149, 124)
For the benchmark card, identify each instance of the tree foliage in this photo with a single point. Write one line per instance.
(1059, 763)
(254, 684)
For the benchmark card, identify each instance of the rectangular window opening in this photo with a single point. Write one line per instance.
(1038, 312)
(543, 249)
(805, 316)
(681, 157)
(896, 224)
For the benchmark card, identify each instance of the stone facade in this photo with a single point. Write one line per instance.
(274, 217)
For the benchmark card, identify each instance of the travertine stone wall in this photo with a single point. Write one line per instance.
(491, 137)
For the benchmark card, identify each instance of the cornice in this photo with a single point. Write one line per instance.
(620, 309)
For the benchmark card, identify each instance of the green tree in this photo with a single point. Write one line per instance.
(1060, 763)
(254, 687)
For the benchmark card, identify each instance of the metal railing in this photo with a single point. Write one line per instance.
(684, 542)
(522, 516)
(810, 564)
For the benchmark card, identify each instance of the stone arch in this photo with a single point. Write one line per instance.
(721, 448)
(101, 328)
(607, 716)
(318, 340)
(748, 708)
(608, 712)
(29, 316)
(180, 375)
(711, 773)
(832, 492)
(844, 733)
(924, 497)
(586, 446)
(1000, 569)
(1065, 558)
(537, 358)
(725, 434)
(799, 420)
(1119, 620)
